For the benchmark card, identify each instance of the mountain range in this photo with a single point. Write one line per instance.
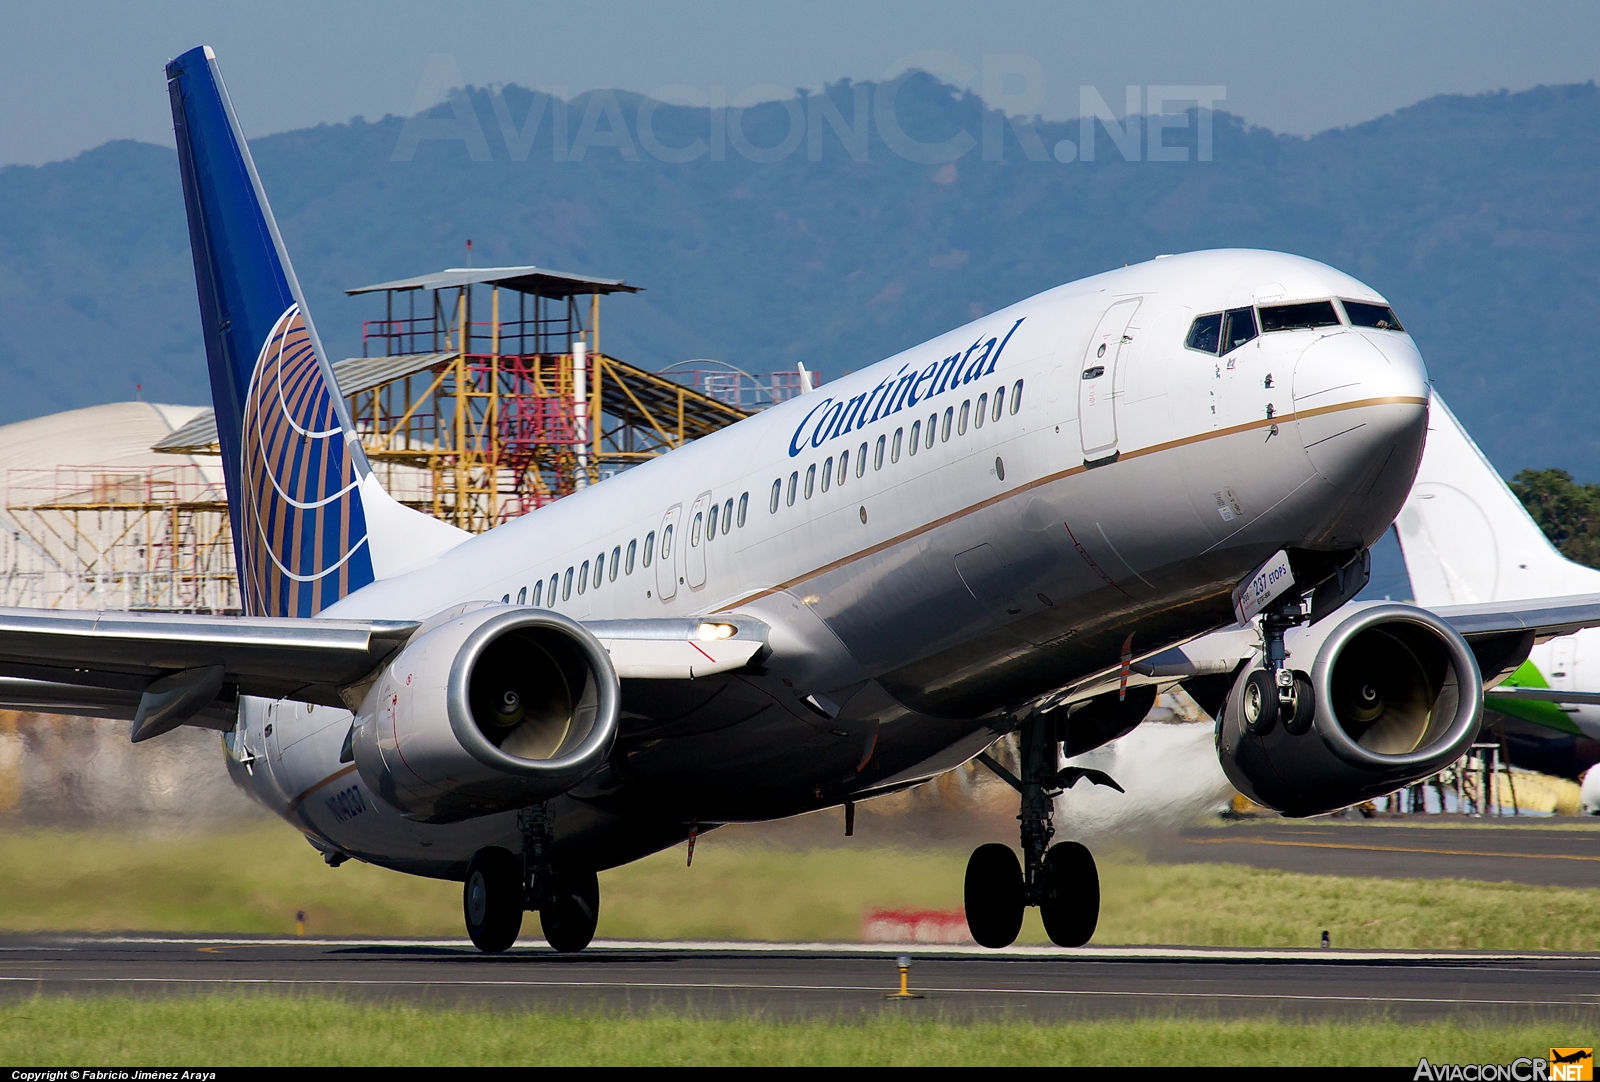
(836, 228)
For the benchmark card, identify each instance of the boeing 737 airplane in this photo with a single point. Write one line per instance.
(991, 532)
(1467, 539)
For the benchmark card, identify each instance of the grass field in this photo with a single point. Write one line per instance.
(221, 1030)
(254, 882)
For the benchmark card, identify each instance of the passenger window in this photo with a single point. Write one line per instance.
(583, 577)
(1380, 316)
(794, 482)
(1296, 317)
(982, 411)
(861, 460)
(616, 558)
(877, 454)
(933, 423)
(506, 600)
(727, 515)
(827, 474)
(777, 488)
(522, 596)
(844, 465)
(633, 546)
(999, 402)
(744, 506)
(538, 593)
(916, 436)
(811, 479)
(894, 449)
(695, 528)
(566, 585)
(1204, 334)
(961, 421)
(949, 415)
(1016, 397)
(553, 579)
(1240, 328)
(666, 543)
(599, 570)
(649, 547)
(711, 523)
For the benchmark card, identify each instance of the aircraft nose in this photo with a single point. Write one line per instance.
(1361, 408)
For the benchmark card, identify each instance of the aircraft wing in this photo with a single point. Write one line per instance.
(163, 669)
(1546, 617)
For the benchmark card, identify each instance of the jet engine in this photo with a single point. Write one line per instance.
(485, 710)
(1394, 695)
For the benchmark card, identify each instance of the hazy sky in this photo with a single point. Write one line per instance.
(73, 75)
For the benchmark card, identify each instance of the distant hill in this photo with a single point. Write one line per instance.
(1476, 215)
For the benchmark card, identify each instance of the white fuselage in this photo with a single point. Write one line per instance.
(917, 596)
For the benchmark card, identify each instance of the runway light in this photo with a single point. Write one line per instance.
(1325, 937)
(713, 632)
(904, 962)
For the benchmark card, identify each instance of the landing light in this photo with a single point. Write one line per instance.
(713, 632)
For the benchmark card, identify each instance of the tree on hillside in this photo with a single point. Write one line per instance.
(1567, 512)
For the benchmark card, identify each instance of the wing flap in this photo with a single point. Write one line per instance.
(120, 654)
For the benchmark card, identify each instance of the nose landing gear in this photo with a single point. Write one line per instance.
(1060, 879)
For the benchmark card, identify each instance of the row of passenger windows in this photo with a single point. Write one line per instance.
(922, 436)
(1222, 332)
(592, 574)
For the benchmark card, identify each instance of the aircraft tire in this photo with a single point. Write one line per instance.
(994, 895)
(570, 919)
(1070, 908)
(491, 900)
(1298, 723)
(1258, 705)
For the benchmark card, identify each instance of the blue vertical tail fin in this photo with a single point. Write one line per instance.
(297, 478)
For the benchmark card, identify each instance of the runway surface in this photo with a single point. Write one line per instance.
(1511, 851)
(826, 980)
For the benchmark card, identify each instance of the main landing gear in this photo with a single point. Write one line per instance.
(501, 886)
(1060, 879)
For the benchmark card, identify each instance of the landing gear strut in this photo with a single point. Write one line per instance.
(568, 899)
(1277, 692)
(500, 886)
(1061, 880)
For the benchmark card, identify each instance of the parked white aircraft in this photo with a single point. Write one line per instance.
(840, 597)
(1467, 539)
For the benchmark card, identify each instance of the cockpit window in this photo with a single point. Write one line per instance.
(1294, 317)
(1204, 334)
(1363, 314)
(1239, 328)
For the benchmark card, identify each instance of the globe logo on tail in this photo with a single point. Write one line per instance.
(304, 537)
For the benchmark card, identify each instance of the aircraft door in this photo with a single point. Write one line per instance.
(694, 553)
(667, 554)
(1097, 416)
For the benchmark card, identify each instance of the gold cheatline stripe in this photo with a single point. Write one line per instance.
(1156, 448)
(335, 776)
(1387, 848)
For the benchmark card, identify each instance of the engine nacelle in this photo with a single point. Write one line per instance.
(487, 710)
(1398, 696)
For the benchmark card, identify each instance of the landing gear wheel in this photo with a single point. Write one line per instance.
(993, 895)
(491, 900)
(1070, 907)
(1258, 707)
(1298, 721)
(570, 917)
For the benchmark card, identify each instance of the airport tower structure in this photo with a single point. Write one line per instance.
(480, 394)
